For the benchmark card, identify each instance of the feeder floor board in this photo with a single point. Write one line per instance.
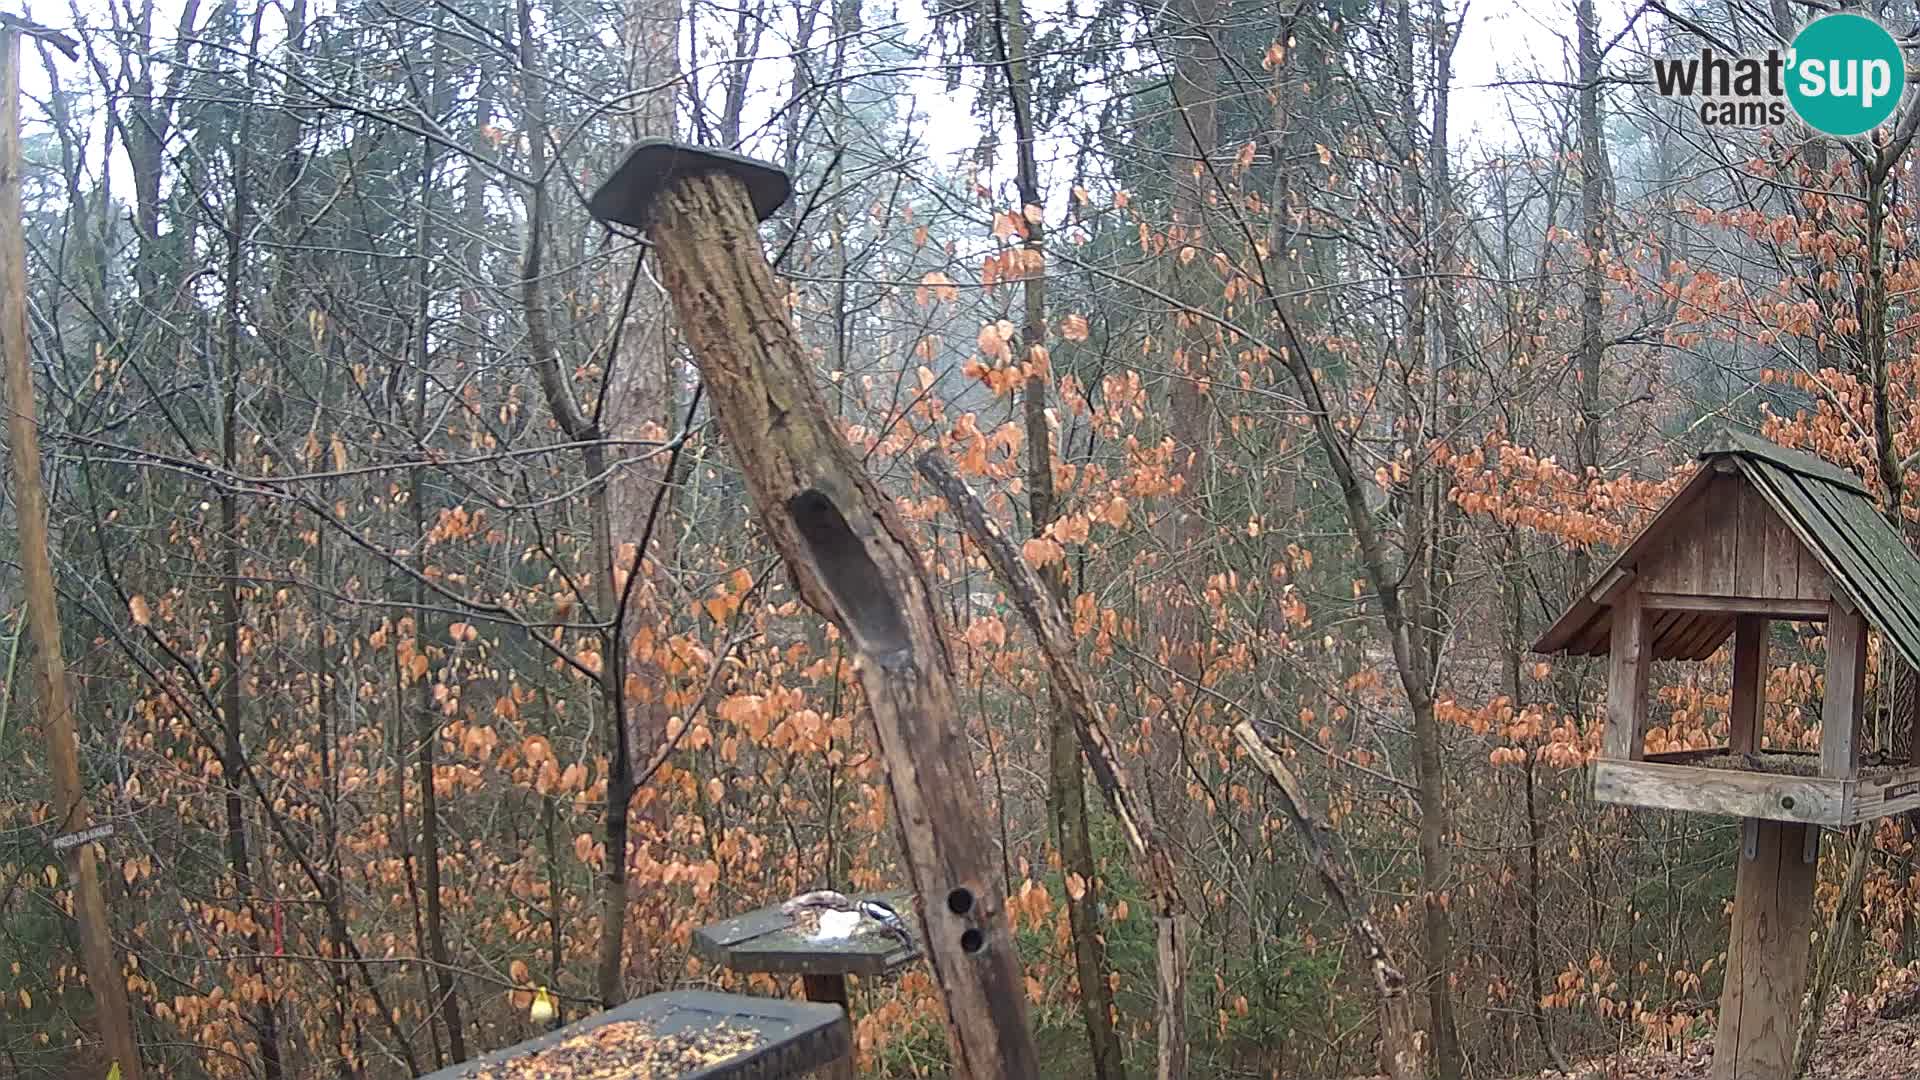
(1745, 793)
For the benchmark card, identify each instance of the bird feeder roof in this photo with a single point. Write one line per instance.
(1829, 513)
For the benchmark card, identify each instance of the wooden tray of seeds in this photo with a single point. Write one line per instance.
(678, 1035)
(764, 940)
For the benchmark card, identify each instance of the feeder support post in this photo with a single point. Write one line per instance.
(1766, 955)
(847, 550)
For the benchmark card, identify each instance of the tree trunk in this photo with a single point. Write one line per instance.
(636, 503)
(1074, 690)
(97, 951)
(232, 715)
(843, 542)
(1321, 845)
(1420, 616)
(1586, 444)
(446, 1006)
(1066, 783)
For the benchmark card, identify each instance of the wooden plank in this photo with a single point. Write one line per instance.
(1699, 628)
(1729, 441)
(1629, 656)
(1881, 568)
(1886, 796)
(1641, 553)
(1778, 608)
(1726, 792)
(1784, 552)
(1610, 585)
(1876, 537)
(1676, 561)
(830, 990)
(1720, 631)
(1720, 537)
(730, 932)
(1662, 626)
(1753, 571)
(1708, 631)
(1880, 573)
(1794, 511)
(764, 940)
(1766, 957)
(1845, 694)
(1666, 555)
(1747, 716)
(93, 926)
(1814, 581)
(1593, 637)
(1666, 643)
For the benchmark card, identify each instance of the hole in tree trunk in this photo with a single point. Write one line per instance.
(849, 573)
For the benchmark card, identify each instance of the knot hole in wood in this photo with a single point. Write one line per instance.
(855, 581)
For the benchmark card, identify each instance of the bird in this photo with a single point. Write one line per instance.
(889, 920)
(823, 915)
(543, 1010)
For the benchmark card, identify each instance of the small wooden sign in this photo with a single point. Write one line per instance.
(84, 836)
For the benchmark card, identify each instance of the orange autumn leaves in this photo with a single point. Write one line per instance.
(1074, 528)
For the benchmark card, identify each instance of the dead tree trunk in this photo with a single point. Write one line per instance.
(846, 548)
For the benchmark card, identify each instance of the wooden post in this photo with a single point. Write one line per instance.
(1746, 719)
(1841, 707)
(1627, 662)
(831, 990)
(71, 814)
(1766, 955)
(845, 546)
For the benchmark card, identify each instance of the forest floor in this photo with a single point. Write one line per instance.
(1851, 1048)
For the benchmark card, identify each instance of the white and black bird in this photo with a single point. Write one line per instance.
(889, 920)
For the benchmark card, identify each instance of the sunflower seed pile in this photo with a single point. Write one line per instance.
(626, 1050)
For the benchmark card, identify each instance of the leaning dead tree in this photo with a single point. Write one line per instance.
(1399, 1046)
(849, 557)
(1074, 691)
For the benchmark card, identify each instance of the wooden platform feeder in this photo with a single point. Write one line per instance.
(765, 941)
(1758, 533)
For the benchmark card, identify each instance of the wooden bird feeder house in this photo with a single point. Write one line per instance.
(1758, 533)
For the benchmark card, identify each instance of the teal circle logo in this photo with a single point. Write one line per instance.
(1846, 74)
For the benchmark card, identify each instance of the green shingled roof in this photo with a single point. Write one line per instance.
(1835, 517)
(1833, 514)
